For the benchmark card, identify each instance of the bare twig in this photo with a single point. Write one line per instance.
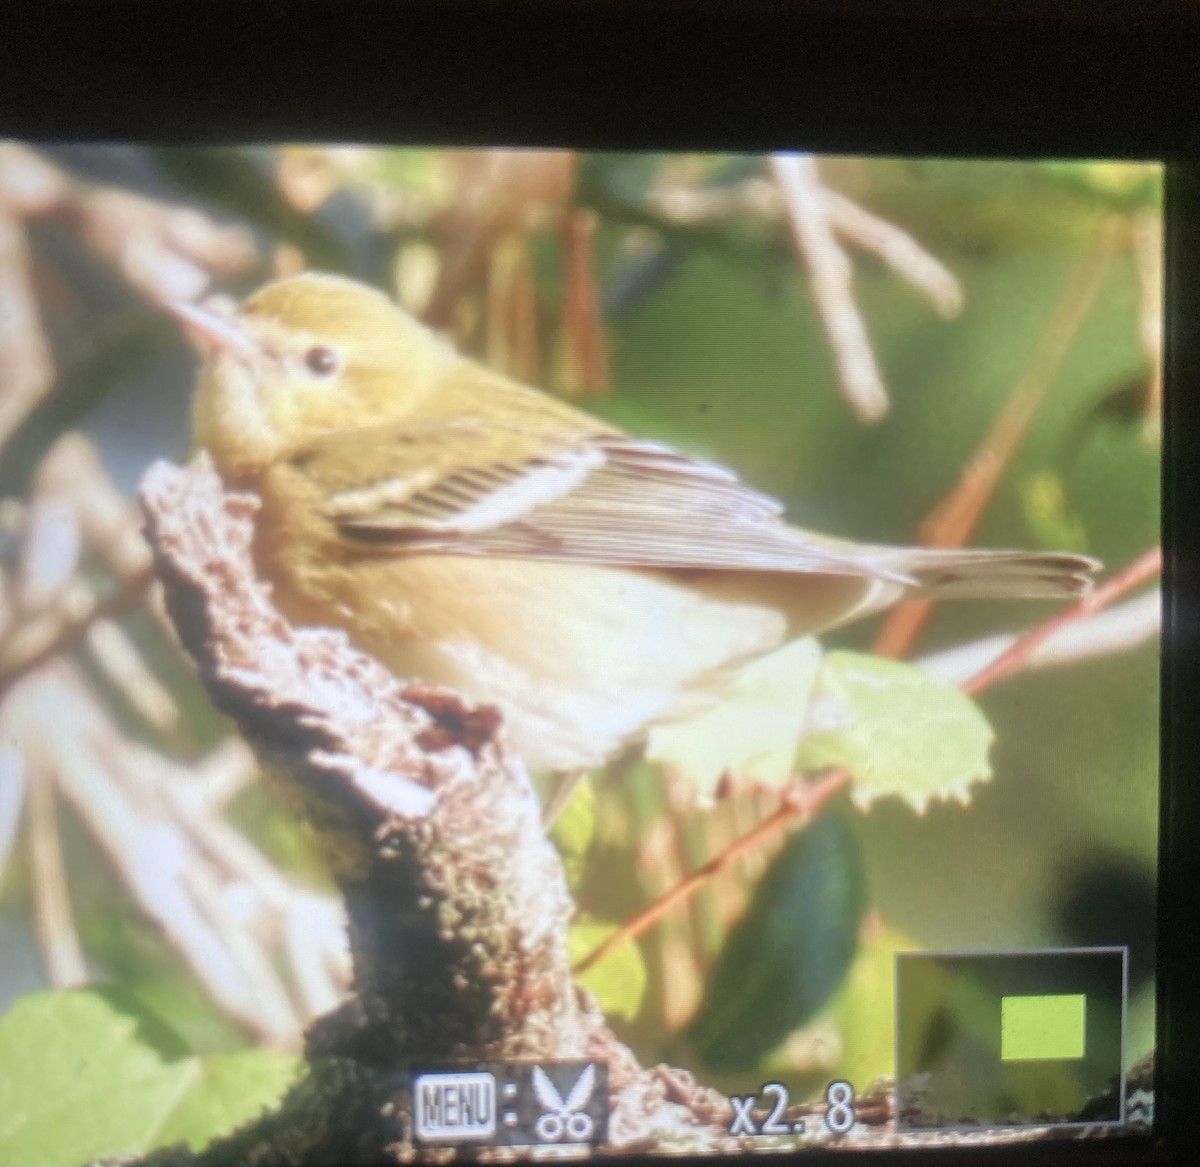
(164, 252)
(247, 901)
(50, 552)
(584, 325)
(512, 340)
(692, 206)
(53, 917)
(30, 645)
(274, 1012)
(148, 854)
(72, 470)
(830, 277)
(321, 971)
(224, 773)
(951, 522)
(898, 249)
(804, 800)
(125, 668)
(8, 613)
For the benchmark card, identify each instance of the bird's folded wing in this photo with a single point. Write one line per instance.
(597, 498)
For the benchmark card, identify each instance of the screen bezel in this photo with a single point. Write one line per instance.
(887, 78)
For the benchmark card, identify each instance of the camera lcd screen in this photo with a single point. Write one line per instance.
(508, 653)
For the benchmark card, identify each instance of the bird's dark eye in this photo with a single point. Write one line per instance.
(321, 361)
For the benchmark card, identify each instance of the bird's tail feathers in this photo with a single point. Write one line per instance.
(945, 574)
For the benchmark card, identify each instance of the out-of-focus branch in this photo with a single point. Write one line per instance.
(898, 249)
(30, 645)
(164, 252)
(587, 343)
(148, 852)
(1121, 629)
(29, 185)
(53, 917)
(217, 900)
(830, 276)
(50, 552)
(691, 206)
(227, 770)
(108, 521)
(126, 669)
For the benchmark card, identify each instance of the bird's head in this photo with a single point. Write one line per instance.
(304, 356)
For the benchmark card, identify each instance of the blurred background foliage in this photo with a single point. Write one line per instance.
(680, 297)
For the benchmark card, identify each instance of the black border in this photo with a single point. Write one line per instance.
(1010, 77)
(943, 77)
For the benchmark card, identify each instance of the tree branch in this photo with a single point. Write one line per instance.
(830, 275)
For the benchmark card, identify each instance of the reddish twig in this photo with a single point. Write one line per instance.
(803, 800)
(583, 321)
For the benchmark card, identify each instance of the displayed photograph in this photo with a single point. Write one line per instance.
(513, 654)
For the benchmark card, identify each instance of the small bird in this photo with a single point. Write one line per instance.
(469, 530)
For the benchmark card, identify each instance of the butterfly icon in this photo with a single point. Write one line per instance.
(564, 1117)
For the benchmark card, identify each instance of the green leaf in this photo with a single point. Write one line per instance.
(909, 736)
(753, 732)
(78, 1079)
(233, 1089)
(618, 982)
(787, 955)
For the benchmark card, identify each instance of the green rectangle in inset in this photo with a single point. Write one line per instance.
(1042, 1028)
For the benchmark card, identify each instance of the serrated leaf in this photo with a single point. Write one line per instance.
(910, 736)
(618, 982)
(787, 955)
(232, 1090)
(79, 1080)
(752, 733)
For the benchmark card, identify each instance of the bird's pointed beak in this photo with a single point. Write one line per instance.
(214, 330)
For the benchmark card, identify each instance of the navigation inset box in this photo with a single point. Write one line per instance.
(1009, 1038)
